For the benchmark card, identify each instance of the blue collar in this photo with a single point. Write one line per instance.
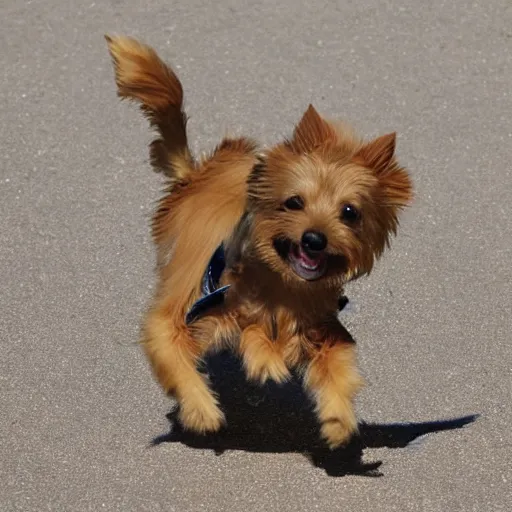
(212, 295)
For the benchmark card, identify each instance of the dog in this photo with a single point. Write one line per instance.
(293, 223)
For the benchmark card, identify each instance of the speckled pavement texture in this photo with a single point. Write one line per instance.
(79, 408)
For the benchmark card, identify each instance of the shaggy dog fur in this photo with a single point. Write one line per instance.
(297, 220)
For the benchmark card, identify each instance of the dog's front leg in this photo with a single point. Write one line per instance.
(263, 358)
(174, 351)
(333, 380)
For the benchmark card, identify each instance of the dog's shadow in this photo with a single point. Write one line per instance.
(279, 418)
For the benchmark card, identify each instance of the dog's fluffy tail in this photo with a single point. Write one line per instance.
(143, 77)
(193, 219)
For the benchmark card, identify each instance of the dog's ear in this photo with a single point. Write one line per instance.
(378, 153)
(311, 132)
(394, 180)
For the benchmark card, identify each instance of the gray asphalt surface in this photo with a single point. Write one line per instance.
(79, 408)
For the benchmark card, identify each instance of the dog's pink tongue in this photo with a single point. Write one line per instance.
(307, 259)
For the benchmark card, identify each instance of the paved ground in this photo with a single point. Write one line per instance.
(78, 406)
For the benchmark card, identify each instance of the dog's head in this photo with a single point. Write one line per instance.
(323, 204)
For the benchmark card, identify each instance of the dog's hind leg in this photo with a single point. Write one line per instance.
(175, 350)
(174, 356)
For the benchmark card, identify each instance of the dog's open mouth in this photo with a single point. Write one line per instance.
(305, 264)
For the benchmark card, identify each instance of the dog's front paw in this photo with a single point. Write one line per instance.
(201, 414)
(276, 371)
(264, 366)
(338, 432)
(262, 359)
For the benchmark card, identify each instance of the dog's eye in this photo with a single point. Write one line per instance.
(294, 203)
(349, 214)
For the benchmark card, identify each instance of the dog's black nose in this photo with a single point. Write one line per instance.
(314, 241)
